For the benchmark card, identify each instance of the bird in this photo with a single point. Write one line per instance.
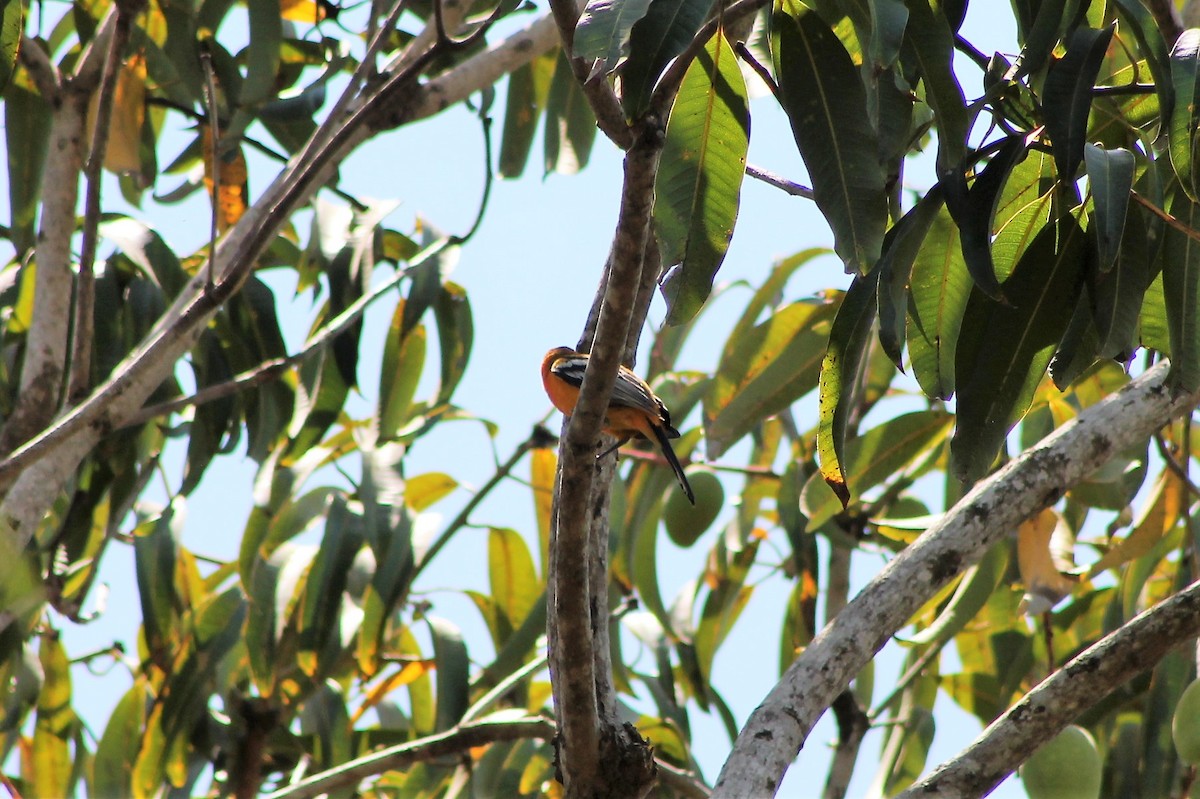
(634, 410)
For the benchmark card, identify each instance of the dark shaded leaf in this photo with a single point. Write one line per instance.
(929, 45)
(1004, 350)
(822, 94)
(1110, 179)
(662, 34)
(1181, 289)
(699, 180)
(1079, 345)
(262, 55)
(975, 214)
(453, 690)
(456, 334)
(901, 247)
(1067, 96)
(602, 32)
(1040, 35)
(1118, 293)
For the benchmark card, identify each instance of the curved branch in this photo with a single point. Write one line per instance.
(1061, 697)
(777, 729)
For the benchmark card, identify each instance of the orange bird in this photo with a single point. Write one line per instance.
(633, 410)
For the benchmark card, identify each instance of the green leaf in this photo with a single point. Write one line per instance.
(51, 747)
(321, 622)
(155, 547)
(901, 247)
(939, 288)
(1182, 139)
(975, 214)
(1004, 350)
(820, 90)
(399, 374)
(602, 32)
(456, 335)
(116, 753)
(1024, 208)
(12, 25)
(528, 89)
(512, 577)
(849, 339)
(212, 419)
(450, 654)
(1153, 328)
(699, 180)
(1118, 293)
(1067, 96)
(570, 124)
(874, 457)
(320, 394)
(262, 56)
(977, 584)
(765, 369)
(929, 45)
(1110, 178)
(27, 140)
(1041, 36)
(1181, 288)
(662, 34)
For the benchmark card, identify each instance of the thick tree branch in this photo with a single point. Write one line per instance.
(48, 342)
(578, 606)
(1036, 479)
(1060, 698)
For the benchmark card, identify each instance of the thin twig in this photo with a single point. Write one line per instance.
(1174, 465)
(215, 159)
(792, 188)
(763, 73)
(460, 521)
(1166, 217)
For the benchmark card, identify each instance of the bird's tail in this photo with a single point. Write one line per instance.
(664, 443)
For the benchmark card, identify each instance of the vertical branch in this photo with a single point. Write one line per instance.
(48, 342)
(590, 752)
(80, 375)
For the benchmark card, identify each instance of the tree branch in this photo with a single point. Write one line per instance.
(1060, 698)
(1034, 480)
(577, 595)
(453, 741)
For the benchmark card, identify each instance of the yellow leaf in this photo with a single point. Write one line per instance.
(1158, 515)
(231, 170)
(411, 670)
(302, 10)
(425, 489)
(1045, 585)
(543, 468)
(123, 150)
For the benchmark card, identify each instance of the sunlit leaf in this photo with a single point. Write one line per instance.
(700, 176)
(764, 370)
(1182, 135)
(849, 338)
